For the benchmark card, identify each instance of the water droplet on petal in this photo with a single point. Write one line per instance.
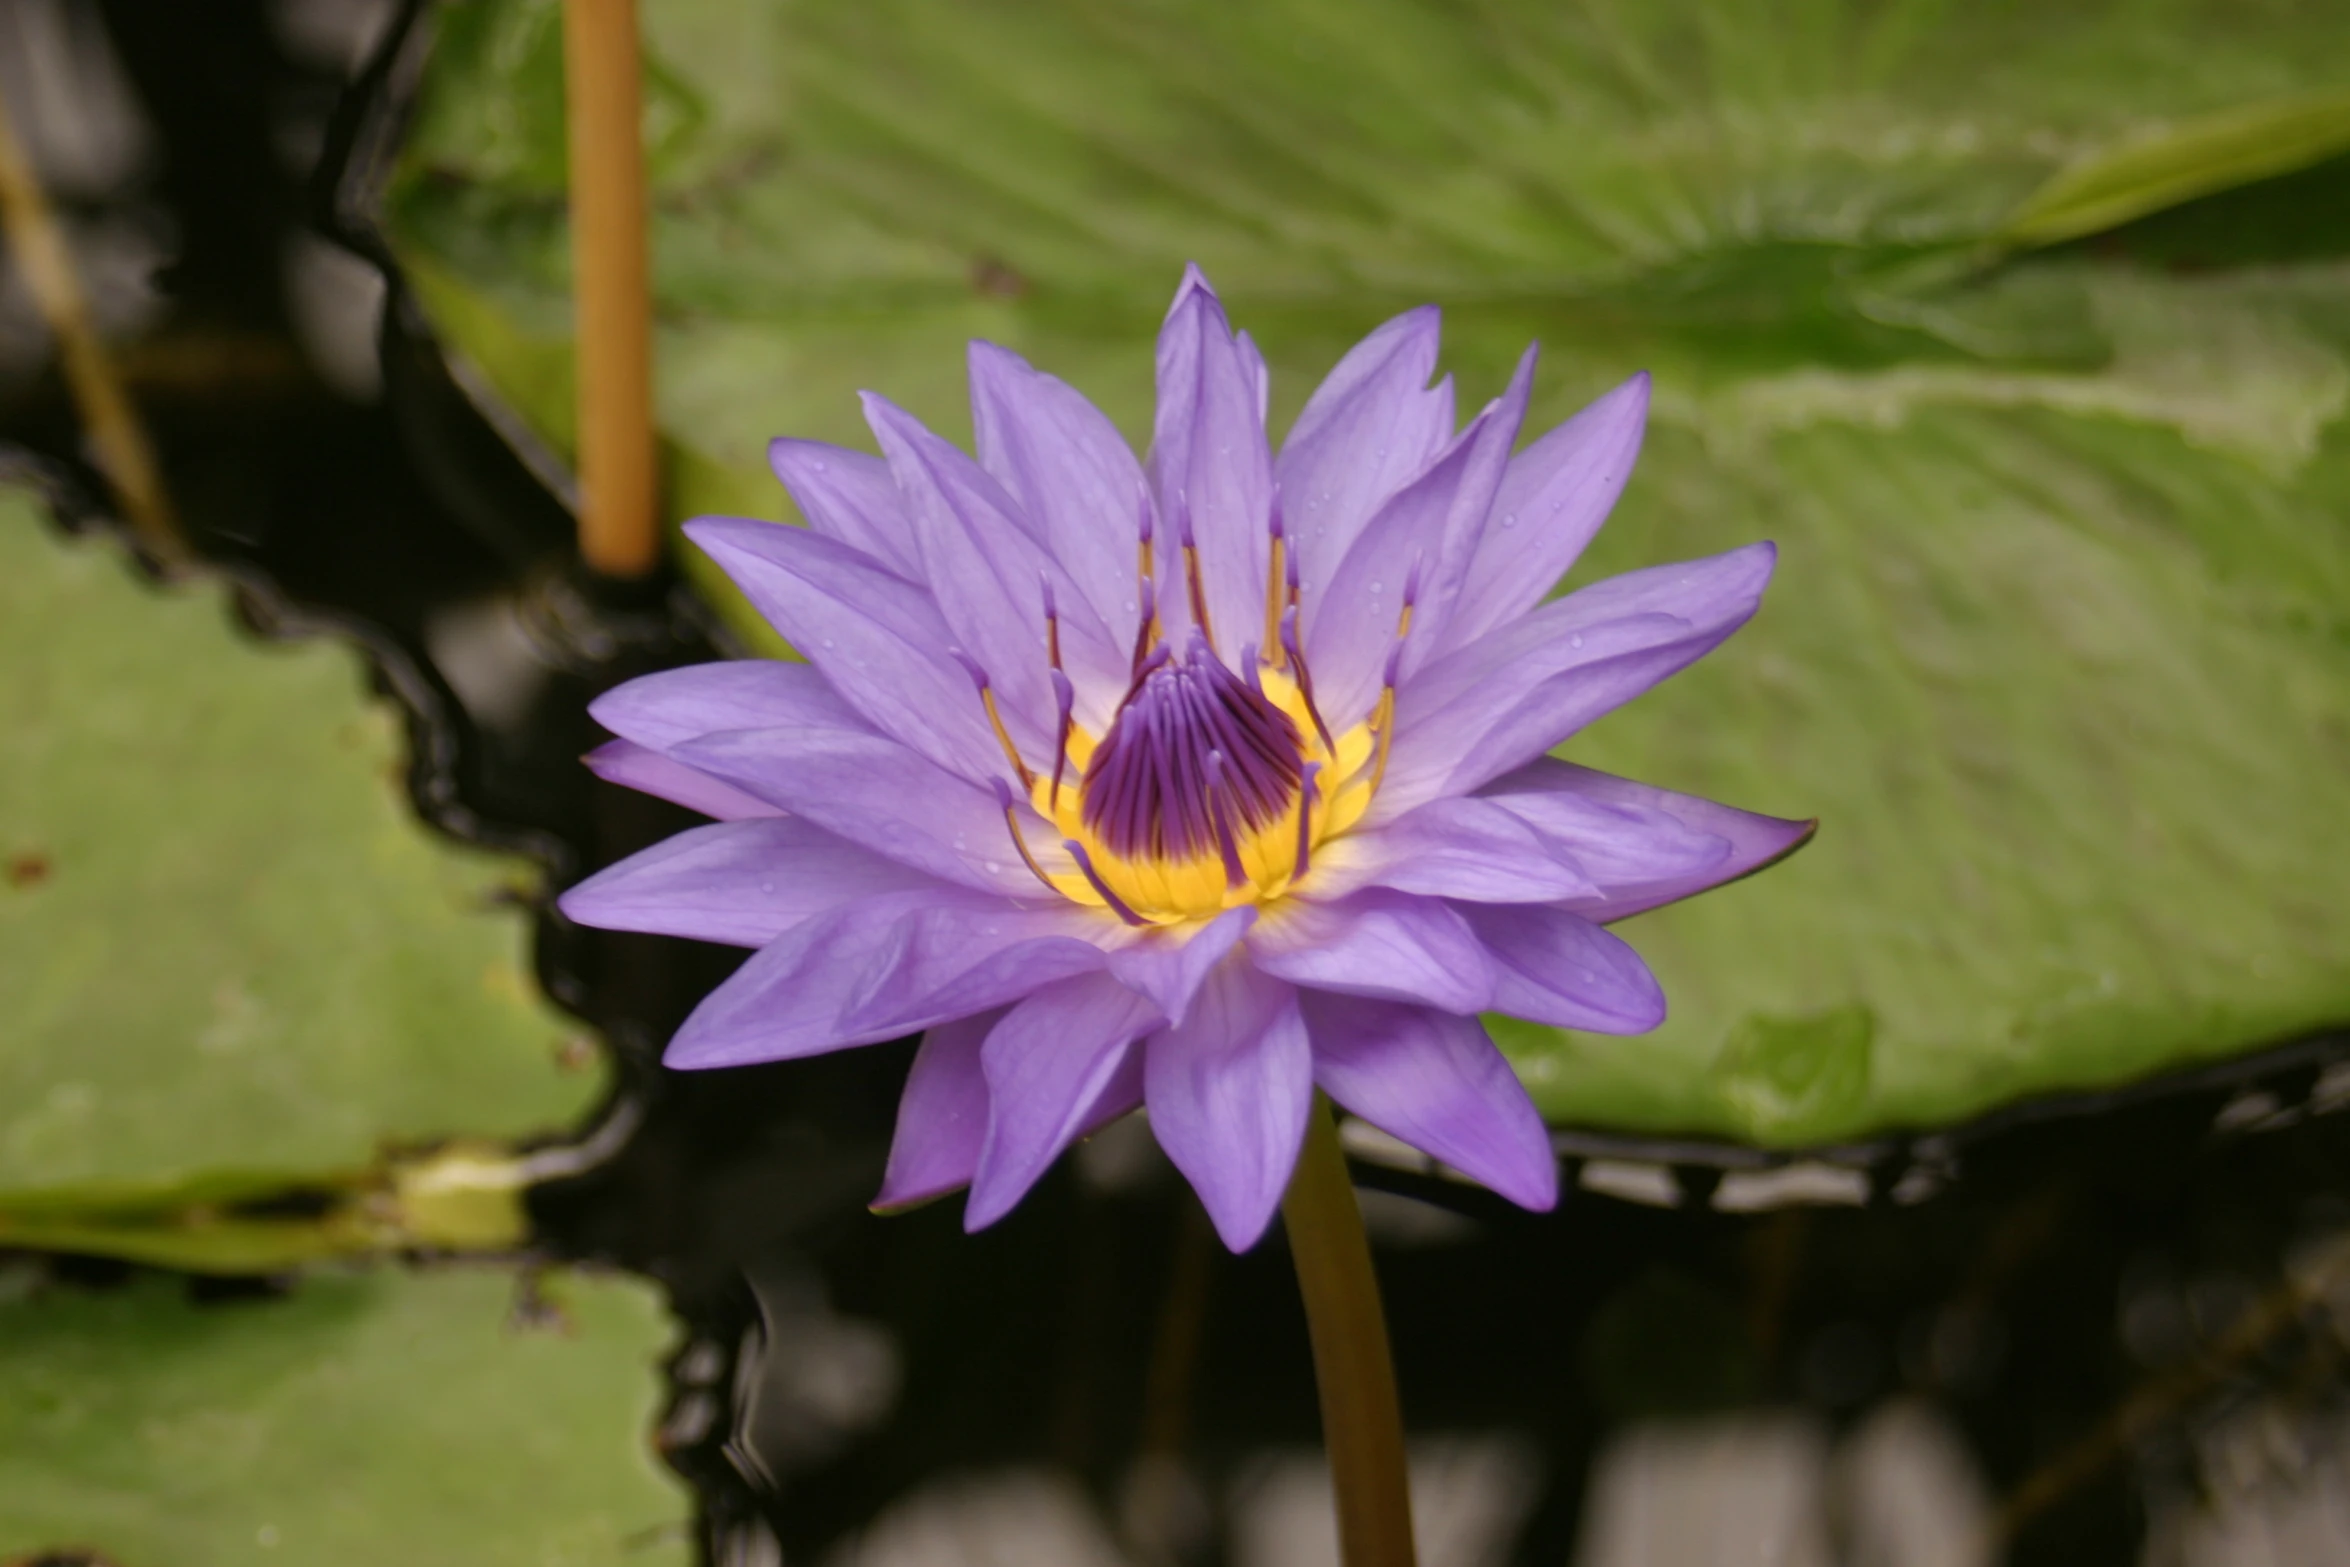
(1378, 588)
(1576, 640)
(818, 465)
(828, 641)
(1510, 520)
(767, 886)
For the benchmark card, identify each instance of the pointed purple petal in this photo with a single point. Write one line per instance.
(1453, 848)
(880, 969)
(848, 496)
(1228, 1093)
(665, 710)
(1371, 427)
(1377, 943)
(1066, 465)
(1047, 1064)
(942, 1117)
(878, 638)
(874, 792)
(1436, 1081)
(1511, 695)
(742, 883)
(1553, 967)
(1642, 845)
(1425, 531)
(988, 563)
(633, 766)
(1168, 965)
(1209, 457)
(1554, 497)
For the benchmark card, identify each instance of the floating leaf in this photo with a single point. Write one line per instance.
(380, 1418)
(231, 960)
(2057, 650)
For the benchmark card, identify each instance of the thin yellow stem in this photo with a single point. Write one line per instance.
(1362, 1422)
(619, 518)
(118, 441)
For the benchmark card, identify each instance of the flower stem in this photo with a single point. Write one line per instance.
(619, 518)
(1362, 1422)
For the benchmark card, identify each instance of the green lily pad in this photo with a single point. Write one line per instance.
(231, 959)
(384, 1417)
(2057, 650)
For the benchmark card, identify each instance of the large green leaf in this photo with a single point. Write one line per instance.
(231, 960)
(2057, 650)
(383, 1418)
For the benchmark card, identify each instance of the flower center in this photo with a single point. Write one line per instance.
(1210, 789)
(1194, 763)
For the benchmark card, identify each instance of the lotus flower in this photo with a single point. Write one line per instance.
(1196, 786)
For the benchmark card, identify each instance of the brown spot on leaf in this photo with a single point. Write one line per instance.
(28, 869)
(997, 279)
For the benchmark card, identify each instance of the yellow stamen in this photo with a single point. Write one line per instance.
(1383, 725)
(1012, 826)
(1199, 592)
(1004, 738)
(1274, 653)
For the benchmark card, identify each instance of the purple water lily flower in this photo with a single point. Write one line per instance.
(1196, 787)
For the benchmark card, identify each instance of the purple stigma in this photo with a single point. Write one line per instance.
(970, 667)
(1193, 759)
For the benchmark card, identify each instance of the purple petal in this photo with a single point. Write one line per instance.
(1513, 694)
(1553, 967)
(667, 709)
(1168, 965)
(1642, 845)
(1436, 1081)
(989, 566)
(1452, 848)
(878, 638)
(1228, 1092)
(1425, 532)
(632, 766)
(1047, 1064)
(942, 1117)
(1554, 497)
(742, 883)
(1371, 427)
(1209, 458)
(1377, 943)
(1067, 467)
(848, 496)
(874, 792)
(879, 969)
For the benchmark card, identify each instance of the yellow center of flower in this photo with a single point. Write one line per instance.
(1208, 791)
(1168, 877)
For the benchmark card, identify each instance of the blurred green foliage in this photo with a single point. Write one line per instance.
(232, 962)
(384, 1419)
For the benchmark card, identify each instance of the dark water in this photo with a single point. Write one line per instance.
(2090, 1295)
